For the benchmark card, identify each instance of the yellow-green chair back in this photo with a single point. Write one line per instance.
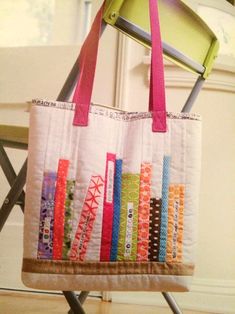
(187, 40)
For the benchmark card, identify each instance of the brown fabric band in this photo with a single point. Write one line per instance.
(105, 268)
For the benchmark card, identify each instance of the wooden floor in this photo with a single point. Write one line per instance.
(24, 303)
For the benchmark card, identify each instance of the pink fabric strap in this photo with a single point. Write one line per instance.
(87, 65)
(157, 103)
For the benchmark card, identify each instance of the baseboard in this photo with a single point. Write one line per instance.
(92, 294)
(213, 296)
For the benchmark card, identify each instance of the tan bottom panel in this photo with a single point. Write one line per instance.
(105, 268)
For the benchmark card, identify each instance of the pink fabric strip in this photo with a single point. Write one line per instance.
(107, 226)
(60, 196)
(87, 219)
(143, 212)
(157, 102)
(87, 65)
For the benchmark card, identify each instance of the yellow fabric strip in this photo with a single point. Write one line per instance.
(128, 230)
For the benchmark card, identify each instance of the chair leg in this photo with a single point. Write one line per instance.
(172, 303)
(13, 195)
(82, 297)
(194, 94)
(10, 174)
(74, 303)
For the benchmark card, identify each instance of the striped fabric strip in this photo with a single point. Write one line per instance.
(155, 225)
(128, 232)
(117, 208)
(171, 212)
(143, 212)
(107, 225)
(175, 223)
(87, 219)
(46, 216)
(164, 211)
(93, 247)
(68, 218)
(60, 196)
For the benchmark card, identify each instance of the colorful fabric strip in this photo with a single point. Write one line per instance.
(60, 196)
(175, 223)
(155, 225)
(164, 211)
(107, 225)
(179, 254)
(87, 219)
(46, 216)
(128, 232)
(143, 212)
(68, 218)
(117, 207)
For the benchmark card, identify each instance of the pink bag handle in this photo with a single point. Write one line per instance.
(87, 64)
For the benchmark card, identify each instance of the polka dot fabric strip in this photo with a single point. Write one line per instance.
(155, 225)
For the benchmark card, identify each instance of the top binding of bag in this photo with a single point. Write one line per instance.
(114, 113)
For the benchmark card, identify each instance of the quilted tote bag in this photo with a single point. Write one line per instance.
(111, 196)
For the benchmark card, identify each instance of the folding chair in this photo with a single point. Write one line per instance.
(195, 53)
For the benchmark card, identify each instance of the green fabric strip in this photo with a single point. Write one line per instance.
(68, 218)
(128, 232)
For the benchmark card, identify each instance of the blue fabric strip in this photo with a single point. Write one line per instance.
(164, 211)
(117, 207)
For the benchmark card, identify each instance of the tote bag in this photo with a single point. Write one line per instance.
(111, 196)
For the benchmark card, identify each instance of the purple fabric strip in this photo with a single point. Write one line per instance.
(45, 240)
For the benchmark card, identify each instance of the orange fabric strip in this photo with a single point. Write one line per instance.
(175, 223)
(143, 212)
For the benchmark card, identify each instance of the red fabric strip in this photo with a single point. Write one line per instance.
(107, 226)
(60, 196)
